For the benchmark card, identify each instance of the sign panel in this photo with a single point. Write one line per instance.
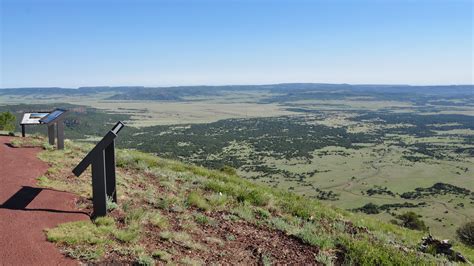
(52, 116)
(32, 118)
(52, 119)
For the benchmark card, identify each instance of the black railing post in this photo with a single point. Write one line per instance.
(110, 172)
(98, 185)
(102, 159)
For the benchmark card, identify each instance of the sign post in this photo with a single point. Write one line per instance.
(55, 119)
(51, 135)
(102, 159)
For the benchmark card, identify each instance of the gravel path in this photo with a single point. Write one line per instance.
(26, 210)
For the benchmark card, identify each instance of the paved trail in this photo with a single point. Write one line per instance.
(26, 210)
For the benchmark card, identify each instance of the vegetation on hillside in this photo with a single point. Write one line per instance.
(169, 211)
(466, 233)
(411, 220)
(7, 121)
(350, 158)
(81, 122)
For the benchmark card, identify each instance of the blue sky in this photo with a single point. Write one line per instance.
(73, 43)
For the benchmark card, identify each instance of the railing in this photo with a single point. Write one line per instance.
(102, 159)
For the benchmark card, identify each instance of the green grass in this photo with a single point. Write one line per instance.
(81, 232)
(202, 218)
(382, 165)
(363, 252)
(390, 170)
(244, 211)
(314, 235)
(145, 260)
(163, 207)
(197, 200)
(128, 235)
(162, 255)
(31, 142)
(158, 220)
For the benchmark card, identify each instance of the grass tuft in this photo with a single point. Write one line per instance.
(162, 255)
(158, 220)
(128, 235)
(197, 200)
(311, 234)
(80, 232)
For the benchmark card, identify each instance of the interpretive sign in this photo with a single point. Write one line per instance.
(50, 119)
(32, 118)
(102, 159)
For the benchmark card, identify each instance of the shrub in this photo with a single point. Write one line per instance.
(369, 208)
(228, 170)
(466, 233)
(411, 220)
(7, 121)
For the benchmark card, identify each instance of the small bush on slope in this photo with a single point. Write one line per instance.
(353, 238)
(466, 233)
(7, 121)
(411, 220)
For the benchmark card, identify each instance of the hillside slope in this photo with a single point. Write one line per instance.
(180, 213)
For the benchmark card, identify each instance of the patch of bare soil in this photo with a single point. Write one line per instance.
(235, 242)
(225, 240)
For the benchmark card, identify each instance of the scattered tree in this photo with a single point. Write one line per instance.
(466, 233)
(411, 220)
(7, 121)
(370, 208)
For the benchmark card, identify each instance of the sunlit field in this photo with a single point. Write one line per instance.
(346, 150)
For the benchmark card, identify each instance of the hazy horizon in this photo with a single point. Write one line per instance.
(238, 84)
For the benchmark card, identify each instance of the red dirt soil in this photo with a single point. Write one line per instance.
(22, 237)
